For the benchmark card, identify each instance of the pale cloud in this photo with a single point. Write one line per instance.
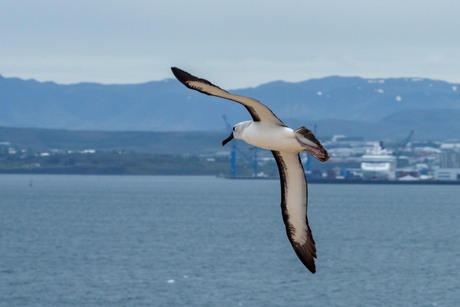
(238, 42)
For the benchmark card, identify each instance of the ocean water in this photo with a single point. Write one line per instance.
(205, 241)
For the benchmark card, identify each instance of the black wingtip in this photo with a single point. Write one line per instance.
(312, 268)
(185, 78)
(307, 255)
(310, 265)
(181, 75)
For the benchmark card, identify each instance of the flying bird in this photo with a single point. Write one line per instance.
(267, 131)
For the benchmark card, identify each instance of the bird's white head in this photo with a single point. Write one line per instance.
(237, 131)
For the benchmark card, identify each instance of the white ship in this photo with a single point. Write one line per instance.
(378, 164)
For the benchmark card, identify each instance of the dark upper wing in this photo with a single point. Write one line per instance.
(294, 200)
(258, 111)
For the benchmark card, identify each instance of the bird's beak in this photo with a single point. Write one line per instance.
(230, 137)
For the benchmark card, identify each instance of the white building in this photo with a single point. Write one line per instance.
(450, 159)
(447, 174)
(378, 164)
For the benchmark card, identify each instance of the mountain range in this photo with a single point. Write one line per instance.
(370, 108)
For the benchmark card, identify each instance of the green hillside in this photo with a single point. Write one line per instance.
(139, 142)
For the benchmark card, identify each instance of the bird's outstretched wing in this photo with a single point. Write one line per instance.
(258, 111)
(294, 201)
(294, 190)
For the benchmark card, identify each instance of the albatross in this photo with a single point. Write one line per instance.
(267, 131)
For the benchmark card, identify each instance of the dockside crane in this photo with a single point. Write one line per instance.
(408, 138)
(228, 127)
(307, 163)
(233, 151)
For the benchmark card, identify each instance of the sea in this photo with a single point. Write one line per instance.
(207, 241)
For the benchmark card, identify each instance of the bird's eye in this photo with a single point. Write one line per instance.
(233, 128)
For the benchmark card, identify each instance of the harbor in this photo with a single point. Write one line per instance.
(354, 160)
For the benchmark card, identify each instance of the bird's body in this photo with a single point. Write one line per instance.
(269, 132)
(270, 136)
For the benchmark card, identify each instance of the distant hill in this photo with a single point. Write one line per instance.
(372, 108)
(175, 143)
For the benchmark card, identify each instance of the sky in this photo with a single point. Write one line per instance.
(233, 43)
